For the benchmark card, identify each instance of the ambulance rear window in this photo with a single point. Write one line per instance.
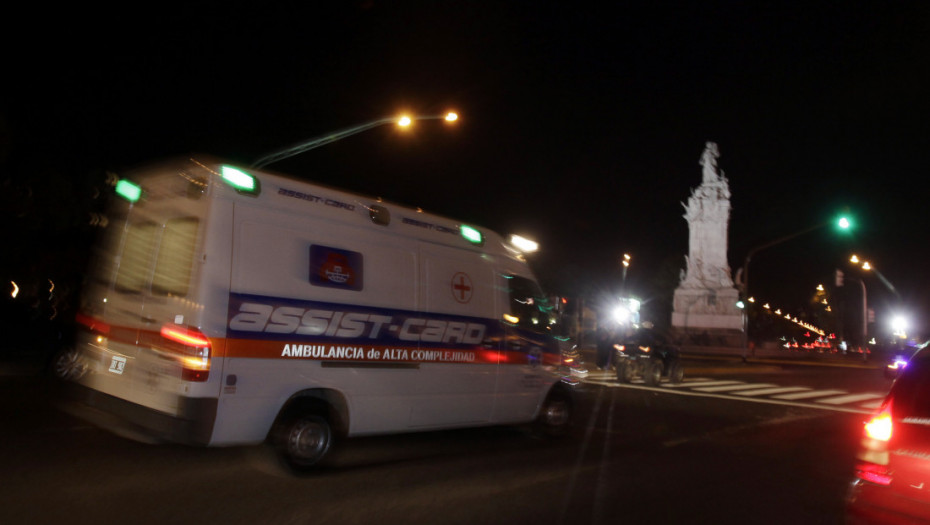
(175, 257)
(158, 258)
(135, 262)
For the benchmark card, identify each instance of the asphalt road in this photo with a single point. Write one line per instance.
(710, 450)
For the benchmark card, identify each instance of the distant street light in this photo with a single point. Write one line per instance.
(867, 266)
(899, 326)
(626, 264)
(743, 275)
(329, 138)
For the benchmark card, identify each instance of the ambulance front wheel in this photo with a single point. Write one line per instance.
(304, 439)
(555, 415)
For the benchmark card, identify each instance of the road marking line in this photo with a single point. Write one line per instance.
(852, 398)
(767, 391)
(729, 388)
(808, 395)
(704, 383)
(767, 401)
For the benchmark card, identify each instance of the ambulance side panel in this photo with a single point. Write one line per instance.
(271, 268)
(459, 282)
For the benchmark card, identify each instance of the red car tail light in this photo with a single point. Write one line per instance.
(873, 453)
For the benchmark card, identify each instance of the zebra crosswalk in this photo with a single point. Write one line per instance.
(797, 395)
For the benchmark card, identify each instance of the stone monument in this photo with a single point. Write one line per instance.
(705, 300)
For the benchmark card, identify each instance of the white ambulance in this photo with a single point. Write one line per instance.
(231, 306)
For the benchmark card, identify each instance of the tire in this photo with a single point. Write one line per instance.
(66, 364)
(653, 373)
(555, 415)
(303, 440)
(676, 373)
(624, 371)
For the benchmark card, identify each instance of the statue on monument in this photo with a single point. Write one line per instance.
(707, 213)
(709, 162)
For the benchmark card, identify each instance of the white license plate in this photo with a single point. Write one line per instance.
(117, 365)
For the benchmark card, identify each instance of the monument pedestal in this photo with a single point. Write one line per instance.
(698, 310)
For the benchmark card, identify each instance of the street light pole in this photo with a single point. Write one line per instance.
(341, 134)
(865, 311)
(744, 272)
(744, 276)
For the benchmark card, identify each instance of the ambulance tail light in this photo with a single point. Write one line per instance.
(873, 465)
(191, 348)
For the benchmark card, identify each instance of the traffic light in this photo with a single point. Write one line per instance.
(844, 223)
(839, 277)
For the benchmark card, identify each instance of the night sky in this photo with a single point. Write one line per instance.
(581, 125)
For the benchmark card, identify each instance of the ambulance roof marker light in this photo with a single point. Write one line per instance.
(471, 235)
(128, 190)
(239, 180)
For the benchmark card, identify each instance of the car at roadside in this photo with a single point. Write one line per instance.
(892, 478)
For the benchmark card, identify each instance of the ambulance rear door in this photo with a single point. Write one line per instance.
(147, 277)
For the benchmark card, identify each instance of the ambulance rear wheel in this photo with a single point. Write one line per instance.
(66, 364)
(303, 440)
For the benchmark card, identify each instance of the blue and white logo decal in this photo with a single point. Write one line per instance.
(336, 268)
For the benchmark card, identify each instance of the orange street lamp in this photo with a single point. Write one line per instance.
(307, 145)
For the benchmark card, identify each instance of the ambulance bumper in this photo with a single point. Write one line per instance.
(193, 425)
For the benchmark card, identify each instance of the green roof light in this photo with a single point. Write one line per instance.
(129, 191)
(471, 234)
(239, 179)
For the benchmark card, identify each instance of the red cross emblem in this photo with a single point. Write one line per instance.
(461, 287)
